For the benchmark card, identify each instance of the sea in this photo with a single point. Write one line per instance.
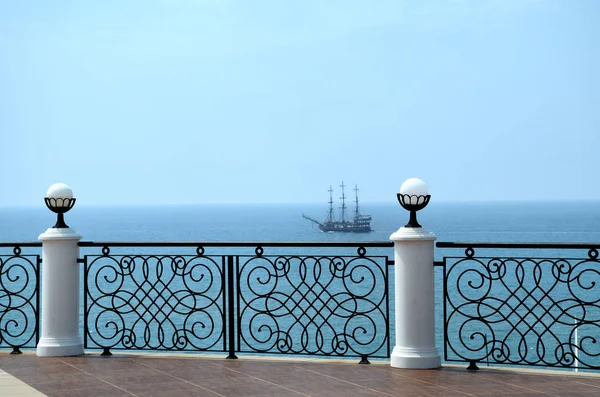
(568, 221)
(540, 221)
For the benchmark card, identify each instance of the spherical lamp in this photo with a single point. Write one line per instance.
(59, 199)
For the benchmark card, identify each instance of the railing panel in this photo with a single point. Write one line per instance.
(19, 299)
(313, 304)
(308, 302)
(523, 310)
(155, 301)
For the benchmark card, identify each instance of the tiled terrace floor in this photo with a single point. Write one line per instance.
(153, 375)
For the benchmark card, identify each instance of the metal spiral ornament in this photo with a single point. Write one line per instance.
(523, 311)
(155, 302)
(314, 305)
(19, 300)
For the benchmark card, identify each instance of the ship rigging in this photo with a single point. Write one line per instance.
(359, 224)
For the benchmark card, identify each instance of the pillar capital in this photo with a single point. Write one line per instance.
(411, 234)
(54, 234)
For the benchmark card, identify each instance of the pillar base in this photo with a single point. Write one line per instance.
(415, 358)
(60, 347)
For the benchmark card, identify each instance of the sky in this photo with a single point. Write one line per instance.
(144, 102)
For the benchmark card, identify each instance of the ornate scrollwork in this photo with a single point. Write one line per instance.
(523, 311)
(19, 282)
(156, 302)
(318, 305)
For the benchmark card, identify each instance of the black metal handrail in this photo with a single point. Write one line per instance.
(21, 244)
(373, 244)
(446, 244)
(380, 244)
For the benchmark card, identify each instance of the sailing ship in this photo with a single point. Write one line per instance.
(360, 223)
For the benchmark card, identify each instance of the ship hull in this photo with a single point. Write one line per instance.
(348, 228)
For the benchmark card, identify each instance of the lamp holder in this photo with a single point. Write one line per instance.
(406, 200)
(59, 206)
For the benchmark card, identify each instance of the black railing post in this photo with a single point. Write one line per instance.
(472, 366)
(230, 307)
(85, 308)
(445, 308)
(38, 289)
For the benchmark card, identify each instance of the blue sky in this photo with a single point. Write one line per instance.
(194, 101)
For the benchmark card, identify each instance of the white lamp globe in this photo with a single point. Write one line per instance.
(60, 191)
(414, 187)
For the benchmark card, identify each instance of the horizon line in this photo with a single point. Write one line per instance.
(252, 203)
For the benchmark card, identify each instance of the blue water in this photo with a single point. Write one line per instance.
(484, 222)
(492, 221)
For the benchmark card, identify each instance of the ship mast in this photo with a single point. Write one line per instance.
(343, 207)
(356, 212)
(330, 216)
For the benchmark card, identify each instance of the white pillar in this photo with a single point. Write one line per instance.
(414, 289)
(60, 294)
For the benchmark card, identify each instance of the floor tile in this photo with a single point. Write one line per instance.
(148, 376)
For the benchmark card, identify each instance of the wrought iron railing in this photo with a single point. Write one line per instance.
(155, 301)
(297, 298)
(540, 307)
(502, 308)
(19, 296)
